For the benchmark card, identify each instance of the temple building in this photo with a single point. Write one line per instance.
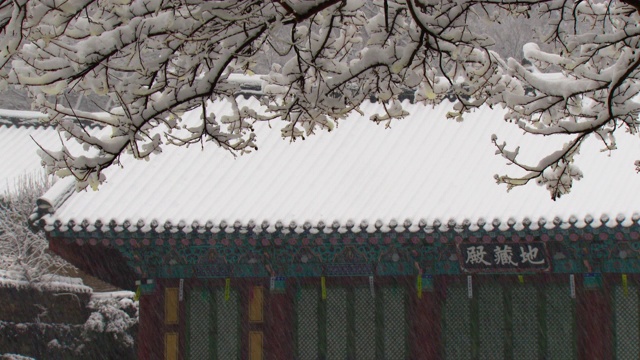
(369, 242)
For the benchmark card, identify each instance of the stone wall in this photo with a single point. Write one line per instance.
(31, 305)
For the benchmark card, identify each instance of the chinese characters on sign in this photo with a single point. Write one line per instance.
(503, 257)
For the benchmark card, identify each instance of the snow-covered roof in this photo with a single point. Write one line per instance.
(121, 294)
(22, 133)
(423, 171)
(18, 157)
(49, 282)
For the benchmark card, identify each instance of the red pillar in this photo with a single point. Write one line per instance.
(593, 321)
(279, 336)
(425, 334)
(150, 341)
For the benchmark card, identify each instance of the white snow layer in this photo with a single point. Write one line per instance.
(53, 283)
(122, 294)
(15, 357)
(18, 157)
(424, 167)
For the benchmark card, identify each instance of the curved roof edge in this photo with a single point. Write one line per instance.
(408, 225)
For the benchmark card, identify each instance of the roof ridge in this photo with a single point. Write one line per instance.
(53, 198)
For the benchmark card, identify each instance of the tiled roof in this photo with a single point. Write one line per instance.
(50, 282)
(424, 172)
(21, 134)
(18, 157)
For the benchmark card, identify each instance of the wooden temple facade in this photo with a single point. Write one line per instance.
(436, 293)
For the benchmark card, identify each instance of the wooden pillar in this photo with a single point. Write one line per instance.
(150, 340)
(256, 321)
(594, 323)
(279, 337)
(425, 332)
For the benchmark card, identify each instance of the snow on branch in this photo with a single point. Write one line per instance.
(157, 59)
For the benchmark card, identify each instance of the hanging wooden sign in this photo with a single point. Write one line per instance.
(505, 257)
(212, 270)
(277, 285)
(572, 286)
(592, 281)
